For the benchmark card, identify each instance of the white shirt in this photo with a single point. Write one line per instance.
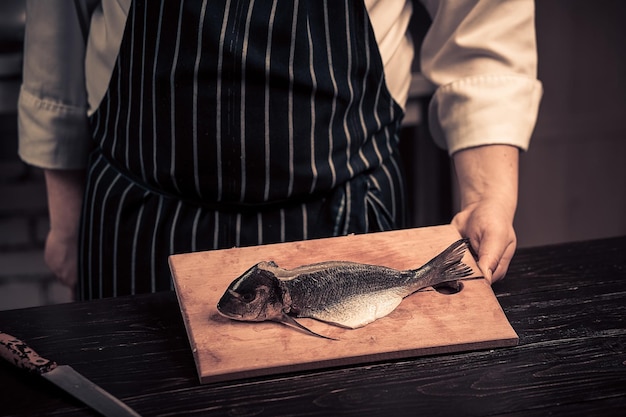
(480, 54)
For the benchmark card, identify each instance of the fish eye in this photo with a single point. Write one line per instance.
(248, 296)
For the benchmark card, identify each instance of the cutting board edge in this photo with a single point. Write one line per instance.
(434, 230)
(186, 319)
(363, 360)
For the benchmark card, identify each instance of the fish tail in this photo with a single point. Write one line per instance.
(446, 266)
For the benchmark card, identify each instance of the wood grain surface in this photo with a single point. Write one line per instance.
(426, 322)
(567, 302)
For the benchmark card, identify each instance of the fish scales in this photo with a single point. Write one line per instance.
(311, 292)
(346, 294)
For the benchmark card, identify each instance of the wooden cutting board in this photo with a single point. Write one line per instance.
(426, 322)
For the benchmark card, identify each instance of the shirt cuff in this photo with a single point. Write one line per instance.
(52, 135)
(485, 110)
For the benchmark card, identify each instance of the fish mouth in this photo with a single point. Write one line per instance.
(229, 314)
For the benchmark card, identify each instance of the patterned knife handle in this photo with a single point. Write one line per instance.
(21, 355)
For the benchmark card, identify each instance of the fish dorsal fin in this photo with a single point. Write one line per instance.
(358, 310)
(291, 322)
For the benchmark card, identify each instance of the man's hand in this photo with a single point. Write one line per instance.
(491, 234)
(61, 256)
(65, 196)
(488, 178)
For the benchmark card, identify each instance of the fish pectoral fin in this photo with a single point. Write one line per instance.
(291, 322)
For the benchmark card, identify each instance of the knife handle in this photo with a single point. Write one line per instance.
(21, 355)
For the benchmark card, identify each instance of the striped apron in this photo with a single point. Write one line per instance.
(234, 123)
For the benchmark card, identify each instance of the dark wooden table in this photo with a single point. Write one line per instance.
(567, 303)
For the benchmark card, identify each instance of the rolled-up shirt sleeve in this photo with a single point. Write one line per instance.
(52, 107)
(482, 57)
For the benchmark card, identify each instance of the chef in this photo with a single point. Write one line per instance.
(175, 126)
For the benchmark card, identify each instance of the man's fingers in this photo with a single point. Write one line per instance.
(494, 261)
(494, 255)
(486, 270)
(505, 261)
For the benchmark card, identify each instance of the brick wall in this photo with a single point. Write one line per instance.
(25, 280)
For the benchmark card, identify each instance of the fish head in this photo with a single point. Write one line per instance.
(254, 296)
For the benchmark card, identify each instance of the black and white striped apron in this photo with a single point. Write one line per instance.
(234, 123)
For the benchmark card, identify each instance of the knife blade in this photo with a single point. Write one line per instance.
(18, 353)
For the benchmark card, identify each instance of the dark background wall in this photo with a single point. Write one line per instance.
(573, 179)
